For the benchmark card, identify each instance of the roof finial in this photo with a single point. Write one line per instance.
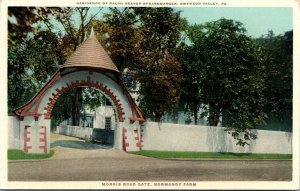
(92, 32)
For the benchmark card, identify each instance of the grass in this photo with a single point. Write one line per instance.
(209, 155)
(14, 154)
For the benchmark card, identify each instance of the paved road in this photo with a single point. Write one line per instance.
(105, 164)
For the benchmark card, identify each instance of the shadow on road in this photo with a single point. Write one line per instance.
(79, 145)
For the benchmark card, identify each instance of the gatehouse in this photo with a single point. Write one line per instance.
(88, 66)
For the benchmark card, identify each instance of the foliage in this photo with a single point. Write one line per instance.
(33, 53)
(30, 65)
(43, 57)
(14, 154)
(122, 37)
(159, 85)
(160, 72)
(226, 66)
(92, 98)
(278, 64)
(62, 107)
(75, 31)
(212, 155)
(21, 20)
(142, 42)
(190, 96)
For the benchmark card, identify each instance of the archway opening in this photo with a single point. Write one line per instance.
(98, 120)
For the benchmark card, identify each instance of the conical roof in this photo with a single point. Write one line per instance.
(90, 54)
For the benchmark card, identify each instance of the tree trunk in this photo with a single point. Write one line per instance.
(78, 93)
(214, 114)
(157, 117)
(196, 115)
(76, 107)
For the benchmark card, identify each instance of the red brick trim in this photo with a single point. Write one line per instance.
(26, 139)
(137, 139)
(137, 114)
(89, 83)
(125, 143)
(44, 139)
(142, 135)
(134, 119)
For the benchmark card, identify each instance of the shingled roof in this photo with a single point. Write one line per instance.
(90, 54)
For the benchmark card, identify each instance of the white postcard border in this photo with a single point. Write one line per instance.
(232, 185)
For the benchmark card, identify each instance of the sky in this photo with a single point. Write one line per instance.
(257, 21)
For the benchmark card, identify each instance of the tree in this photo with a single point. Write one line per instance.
(160, 72)
(227, 67)
(122, 37)
(159, 86)
(144, 41)
(190, 92)
(31, 52)
(30, 65)
(20, 21)
(278, 91)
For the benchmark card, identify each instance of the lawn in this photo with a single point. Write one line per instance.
(209, 155)
(14, 154)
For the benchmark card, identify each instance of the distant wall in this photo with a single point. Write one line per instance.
(178, 137)
(94, 134)
(75, 131)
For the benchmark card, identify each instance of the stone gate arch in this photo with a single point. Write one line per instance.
(86, 79)
(88, 66)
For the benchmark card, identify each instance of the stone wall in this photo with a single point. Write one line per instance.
(174, 137)
(13, 133)
(178, 137)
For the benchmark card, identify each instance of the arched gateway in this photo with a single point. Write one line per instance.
(89, 66)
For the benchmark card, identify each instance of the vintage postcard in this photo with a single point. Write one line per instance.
(149, 94)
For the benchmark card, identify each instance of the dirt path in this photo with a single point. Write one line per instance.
(66, 147)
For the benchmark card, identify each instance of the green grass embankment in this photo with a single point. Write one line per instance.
(14, 154)
(209, 155)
